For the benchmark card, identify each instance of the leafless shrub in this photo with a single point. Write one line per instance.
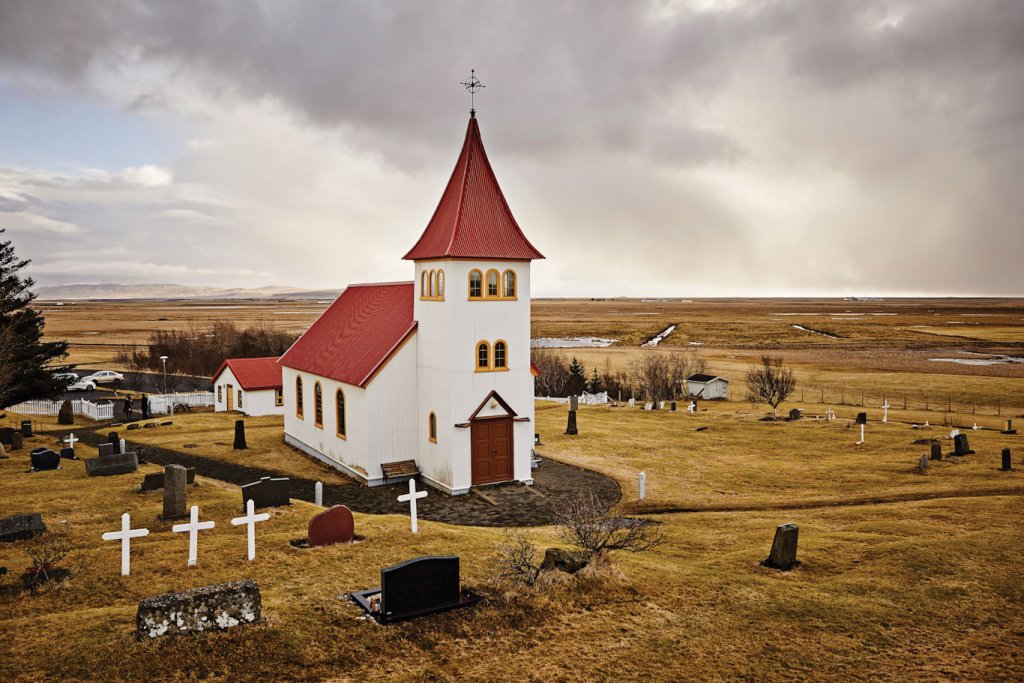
(553, 379)
(770, 382)
(587, 525)
(515, 559)
(660, 375)
(45, 553)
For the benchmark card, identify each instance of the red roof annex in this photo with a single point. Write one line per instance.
(253, 373)
(472, 219)
(357, 334)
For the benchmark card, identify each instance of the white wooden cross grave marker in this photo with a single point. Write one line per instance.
(830, 415)
(71, 440)
(885, 414)
(692, 408)
(125, 535)
(250, 520)
(410, 498)
(193, 528)
(861, 435)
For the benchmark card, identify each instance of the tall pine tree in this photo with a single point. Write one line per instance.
(27, 363)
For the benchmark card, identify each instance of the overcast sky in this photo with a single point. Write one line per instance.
(691, 148)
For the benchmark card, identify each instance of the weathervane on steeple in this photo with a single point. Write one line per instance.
(472, 84)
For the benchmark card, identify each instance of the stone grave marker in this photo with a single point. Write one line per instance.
(672, 406)
(783, 553)
(21, 527)
(154, 481)
(17, 441)
(267, 492)
(960, 445)
(114, 440)
(1007, 463)
(26, 428)
(5, 435)
(209, 608)
(795, 414)
(334, 525)
(66, 414)
(574, 402)
(109, 465)
(106, 449)
(239, 444)
(175, 495)
(1009, 428)
(318, 494)
(3, 453)
(922, 464)
(570, 427)
(44, 459)
(862, 419)
(414, 588)
(936, 450)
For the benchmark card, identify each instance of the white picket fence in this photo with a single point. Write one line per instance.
(79, 406)
(159, 404)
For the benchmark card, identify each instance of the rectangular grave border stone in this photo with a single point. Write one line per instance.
(197, 610)
(21, 527)
(108, 465)
(267, 492)
(404, 594)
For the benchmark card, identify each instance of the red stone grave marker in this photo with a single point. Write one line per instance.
(334, 525)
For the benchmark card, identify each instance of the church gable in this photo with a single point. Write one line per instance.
(492, 406)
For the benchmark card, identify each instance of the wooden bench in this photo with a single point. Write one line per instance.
(402, 468)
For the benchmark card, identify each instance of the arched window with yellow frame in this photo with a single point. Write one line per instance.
(318, 406)
(483, 356)
(500, 355)
(440, 284)
(508, 284)
(433, 284)
(476, 284)
(423, 285)
(298, 397)
(492, 284)
(432, 427)
(339, 410)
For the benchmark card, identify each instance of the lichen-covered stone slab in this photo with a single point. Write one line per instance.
(20, 527)
(198, 610)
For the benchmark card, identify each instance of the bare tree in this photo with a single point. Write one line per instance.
(516, 558)
(554, 372)
(660, 375)
(770, 382)
(586, 524)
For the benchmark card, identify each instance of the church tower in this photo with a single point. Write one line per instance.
(472, 307)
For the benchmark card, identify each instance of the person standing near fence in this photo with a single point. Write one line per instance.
(144, 404)
(128, 408)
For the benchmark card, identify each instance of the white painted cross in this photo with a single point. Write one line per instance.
(975, 426)
(861, 435)
(643, 485)
(410, 498)
(885, 415)
(125, 535)
(692, 408)
(71, 440)
(250, 520)
(193, 528)
(830, 415)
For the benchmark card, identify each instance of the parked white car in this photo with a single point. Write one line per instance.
(81, 385)
(104, 377)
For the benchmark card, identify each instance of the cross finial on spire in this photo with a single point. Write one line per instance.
(472, 84)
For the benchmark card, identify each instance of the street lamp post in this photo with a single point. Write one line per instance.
(163, 359)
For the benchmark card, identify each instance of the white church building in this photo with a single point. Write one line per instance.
(436, 370)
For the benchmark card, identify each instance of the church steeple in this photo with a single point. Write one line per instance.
(473, 220)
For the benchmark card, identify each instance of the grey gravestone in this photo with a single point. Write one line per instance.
(239, 444)
(107, 465)
(1009, 428)
(44, 459)
(795, 413)
(107, 449)
(149, 425)
(267, 492)
(1007, 464)
(574, 402)
(672, 406)
(154, 481)
(134, 425)
(570, 427)
(114, 440)
(417, 587)
(26, 428)
(783, 553)
(16, 441)
(68, 454)
(922, 464)
(209, 608)
(936, 450)
(175, 479)
(5, 435)
(862, 419)
(20, 527)
(960, 445)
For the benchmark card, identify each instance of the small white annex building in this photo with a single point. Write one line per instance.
(436, 370)
(251, 386)
(707, 386)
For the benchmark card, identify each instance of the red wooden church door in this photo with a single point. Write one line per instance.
(492, 450)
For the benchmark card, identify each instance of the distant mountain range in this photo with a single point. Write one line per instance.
(170, 291)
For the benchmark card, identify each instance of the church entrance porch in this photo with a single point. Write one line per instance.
(492, 449)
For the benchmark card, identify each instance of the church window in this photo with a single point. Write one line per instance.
(509, 278)
(500, 360)
(483, 356)
(423, 285)
(339, 406)
(220, 398)
(440, 284)
(475, 284)
(278, 397)
(432, 426)
(492, 284)
(239, 398)
(318, 405)
(298, 397)
(433, 284)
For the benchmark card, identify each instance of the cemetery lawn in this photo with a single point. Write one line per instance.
(913, 590)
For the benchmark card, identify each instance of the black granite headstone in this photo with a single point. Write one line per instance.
(5, 435)
(107, 465)
(107, 449)
(26, 428)
(672, 406)
(862, 419)
(1007, 464)
(44, 459)
(68, 454)
(795, 413)
(960, 445)
(239, 444)
(114, 439)
(570, 428)
(936, 450)
(267, 492)
(783, 553)
(415, 588)
(16, 441)
(20, 527)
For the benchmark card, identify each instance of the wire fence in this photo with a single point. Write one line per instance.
(897, 400)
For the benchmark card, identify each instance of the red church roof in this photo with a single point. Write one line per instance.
(473, 220)
(357, 334)
(253, 373)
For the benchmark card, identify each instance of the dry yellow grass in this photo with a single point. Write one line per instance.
(907, 591)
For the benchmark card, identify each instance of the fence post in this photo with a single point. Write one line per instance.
(998, 408)
(949, 404)
(904, 401)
